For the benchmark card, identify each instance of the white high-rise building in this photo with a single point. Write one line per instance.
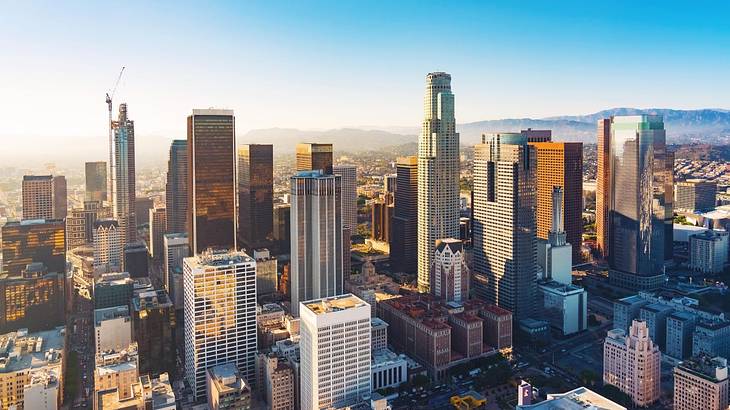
(555, 255)
(335, 352)
(220, 315)
(438, 173)
(505, 242)
(349, 194)
(108, 246)
(316, 237)
(176, 248)
(449, 273)
(632, 363)
(124, 191)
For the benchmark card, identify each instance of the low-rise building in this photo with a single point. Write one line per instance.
(701, 383)
(379, 339)
(580, 398)
(388, 370)
(565, 306)
(266, 273)
(117, 370)
(278, 382)
(711, 338)
(680, 328)
(227, 389)
(112, 328)
(708, 251)
(144, 394)
(497, 326)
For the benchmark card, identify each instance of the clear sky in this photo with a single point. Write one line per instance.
(325, 64)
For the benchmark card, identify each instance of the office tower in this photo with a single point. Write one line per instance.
(554, 254)
(603, 184)
(266, 273)
(390, 183)
(349, 194)
(640, 184)
(212, 175)
(176, 188)
(113, 289)
(632, 362)
(176, 248)
(136, 259)
(282, 229)
(96, 181)
(497, 326)
(108, 246)
(313, 156)
(153, 328)
(711, 337)
(505, 260)
(438, 173)
(34, 369)
(75, 228)
(227, 388)
(44, 197)
(449, 273)
(112, 329)
(680, 327)
(316, 237)
(564, 306)
(255, 195)
(34, 240)
(158, 227)
(708, 251)
(93, 211)
(701, 383)
(34, 299)
(381, 218)
(124, 193)
(220, 314)
(404, 237)
(560, 164)
(335, 352)
(537, 135)
(142, 207)
(695, 195)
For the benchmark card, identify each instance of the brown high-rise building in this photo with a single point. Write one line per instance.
(255, 195)
(561, 164)
(603, 183)
(176, 189)
(382, 216)
(211, 175)
(537, 135)
(34, 241)
(311, 156)
(44, 197)
(404, 225)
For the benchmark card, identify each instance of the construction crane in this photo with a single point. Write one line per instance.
(110, 179)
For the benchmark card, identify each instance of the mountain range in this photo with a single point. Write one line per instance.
(709, 126)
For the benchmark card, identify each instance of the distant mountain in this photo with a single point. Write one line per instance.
(344, 139)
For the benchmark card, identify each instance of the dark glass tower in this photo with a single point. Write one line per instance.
(176, 189)
(211, 172)
(255, 195)
(31, 241)
(312, 156)
(96, 181)
(404, 225)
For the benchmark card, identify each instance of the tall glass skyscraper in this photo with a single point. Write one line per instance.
(255, 195)
(404, 226)
(176, 190)
(639, 203)
(438, 173)
(212, 175)
(124, 170)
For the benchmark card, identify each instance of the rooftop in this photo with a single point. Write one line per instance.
(713, 369)
(578, 399)
(22, 350)
(226, 377)
(110, 313)
(218, 259)
(151, 299)
(334, 304)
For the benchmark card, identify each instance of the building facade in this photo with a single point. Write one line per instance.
(124, 194)
(695, 195)
(632, 362)
(108, 246)
(708, 251)
(565, 307)
(34, 240)
(176, 248)
(701, 383)
(505, 244)
(348, 174)
(112, 329)
(404, 226)
(449, 273)
(158, 227)
(316, 237)
(34, 299)
(220, 315)
(335, 351)
(96, 181)
(314, 156)
(212, 212)
(44, 197)
(153, 326)
(438, 173)
(255, 195)
(176, 188)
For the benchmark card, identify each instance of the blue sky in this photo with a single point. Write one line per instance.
(322, 64)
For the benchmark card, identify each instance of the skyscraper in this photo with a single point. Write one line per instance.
(438, 173)
(176, 249)
(176, 189)
(125, 176)
(632, 362)
(554, 253)
(34, 240)
(220, 315)
(33, 299)
(505, 259)
(639, 200)
(108, 246)
(404, 235)
(96, 185)
(212, 175)
(701, 383)
(158, 225)
(335, 352)
(255, 195)
(316, 237)
(603, 184)
(44, 197)
(349, 195)
(313, 156)
(561, 164)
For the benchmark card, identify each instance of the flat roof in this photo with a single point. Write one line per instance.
(110, 313)
(334, 304)
(15, 349)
